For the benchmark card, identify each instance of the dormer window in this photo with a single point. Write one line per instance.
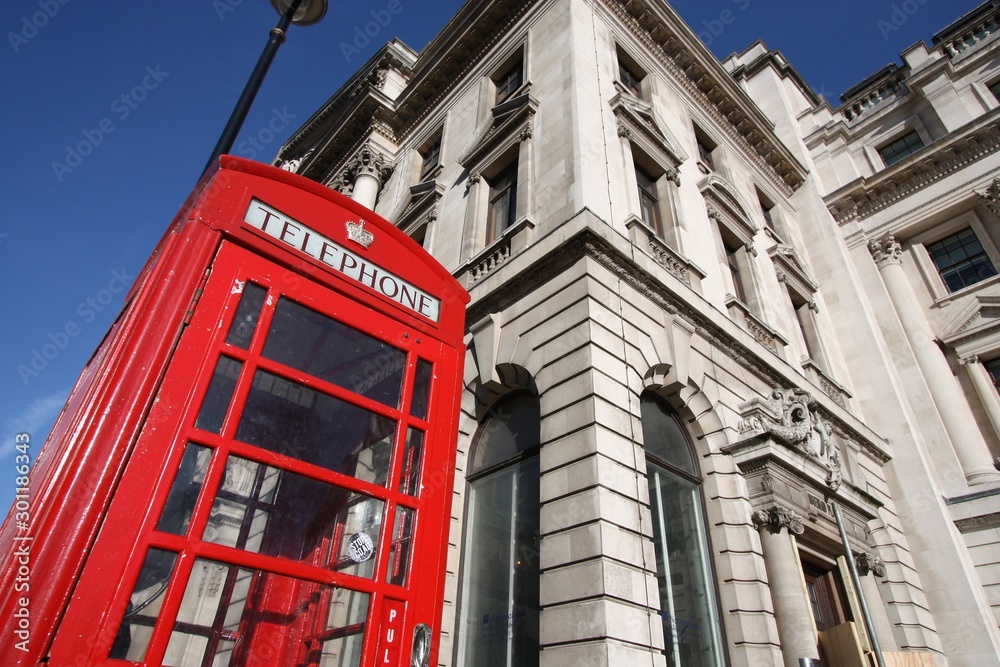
(510, 81)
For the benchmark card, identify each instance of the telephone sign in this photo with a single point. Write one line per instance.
(252, 445)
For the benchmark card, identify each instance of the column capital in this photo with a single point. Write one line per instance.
(969, 359)
(991, 197)
(885, 251)
(776, 518)
(368, 161)
(866, 562)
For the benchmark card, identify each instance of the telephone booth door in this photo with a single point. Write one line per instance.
(280, 507)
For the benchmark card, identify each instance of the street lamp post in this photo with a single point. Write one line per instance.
(299, 12)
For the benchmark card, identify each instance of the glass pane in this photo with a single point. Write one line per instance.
(409, 483)
(687, 595)
(184, 491)
(220, 392)
(500, 597)
(662, 437)
(513, 426)
(289, 418)
(399, 548)
(144, 606)
(280, 513)
(421, 389)
(245, 320)
(334, 352)
(348, 611)
(359, 528)
(229, 614)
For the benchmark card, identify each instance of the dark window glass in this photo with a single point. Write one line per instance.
(291, 419)
(500, 603)
(691, 625)
(995, 89)
(245, 320)
(503, 203)
(421, 389)
(705, 148)
(334, 352)
(629, 79)
(220, 392)
(409, 483)
(961, 260)
(649, 203)
(399, 546)
(993, 366)
(431, 159)
(143, 606)
(510, 81)
(184, 491)
(895, 151)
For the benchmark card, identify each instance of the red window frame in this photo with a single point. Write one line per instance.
(130, 529)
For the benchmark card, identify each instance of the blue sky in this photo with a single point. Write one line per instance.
(112, 108)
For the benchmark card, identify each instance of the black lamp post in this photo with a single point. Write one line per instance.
(299, 12)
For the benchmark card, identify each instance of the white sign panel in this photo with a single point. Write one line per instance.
(293, 233)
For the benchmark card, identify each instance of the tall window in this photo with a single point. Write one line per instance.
(691, 629)
(896, 150)
(705, 148)
(630, 77)
(649, 202)
(503, 203)
(961, 260)
(510, 81)
(431, 157)
(499, 614)
(733, 264)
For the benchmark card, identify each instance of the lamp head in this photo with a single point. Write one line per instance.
(308, 13)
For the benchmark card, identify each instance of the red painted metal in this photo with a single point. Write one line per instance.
(104, 474)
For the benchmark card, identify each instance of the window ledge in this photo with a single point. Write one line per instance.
(965, 291)
(830, 387)
(514, 239)
(645, 238)
(765, 335)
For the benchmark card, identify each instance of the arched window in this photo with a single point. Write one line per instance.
(499, 615)
(691, 630)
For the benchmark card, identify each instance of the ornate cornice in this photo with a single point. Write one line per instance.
(885, 251)
(867, 196)
(776, 518)
(699, 73)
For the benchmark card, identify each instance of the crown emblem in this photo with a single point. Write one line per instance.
(356, 232)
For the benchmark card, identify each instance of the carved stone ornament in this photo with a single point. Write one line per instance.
(886, 251)
(867, 562)
(991, 197)
(776, 518)
(791, 419)
(369, 161)
(294, 164)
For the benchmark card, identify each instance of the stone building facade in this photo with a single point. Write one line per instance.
(717, 328)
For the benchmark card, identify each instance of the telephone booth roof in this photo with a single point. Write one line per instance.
(322, 235)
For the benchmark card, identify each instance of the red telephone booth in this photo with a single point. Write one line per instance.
(255, 468)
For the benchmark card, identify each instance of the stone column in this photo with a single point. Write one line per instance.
(366, 172)
(792, 612)
(972, 451)
(868, 563)
(984, 388)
